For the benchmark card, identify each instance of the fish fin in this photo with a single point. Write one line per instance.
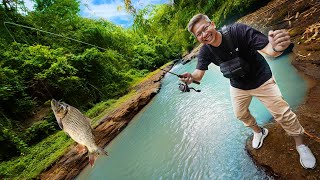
(81, 148)
(94, 155)
(92, 159)
(59, 123)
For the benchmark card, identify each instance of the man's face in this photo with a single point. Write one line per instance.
(205, 32)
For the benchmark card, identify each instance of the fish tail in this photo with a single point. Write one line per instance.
(94, 155)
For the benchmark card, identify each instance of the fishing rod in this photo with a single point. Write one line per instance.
(184, 87)
(180, 76)
(36, 29)
(51, 33)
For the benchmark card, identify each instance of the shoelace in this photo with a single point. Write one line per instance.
(304, 149)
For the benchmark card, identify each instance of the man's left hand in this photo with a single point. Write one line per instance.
(279, 39)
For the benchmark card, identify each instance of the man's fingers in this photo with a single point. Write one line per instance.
(282, 39)
(186, 77)
(189, 79)
(280, 31)
(284, 44)
(280, 35)
(183, 79)
(279, 39)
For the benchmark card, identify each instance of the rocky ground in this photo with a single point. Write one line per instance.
(71, 164)
(278, 155)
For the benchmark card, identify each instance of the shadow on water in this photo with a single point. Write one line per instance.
(191, 135)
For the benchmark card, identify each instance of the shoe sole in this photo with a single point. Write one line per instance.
(306, 167)
(262, 138)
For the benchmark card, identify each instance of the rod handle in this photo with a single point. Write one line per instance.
(196, 82)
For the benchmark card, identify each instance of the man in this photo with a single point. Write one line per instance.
(257, 81)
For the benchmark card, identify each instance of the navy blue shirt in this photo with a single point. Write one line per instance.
(248, 41)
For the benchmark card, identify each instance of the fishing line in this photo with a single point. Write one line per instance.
(7, 119)
(46, 88)
(15, 24)
(179, 75)
(96, 89)
(31, 66)
(36, 29)
(40, 79)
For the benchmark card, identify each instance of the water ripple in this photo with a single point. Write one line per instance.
(185, 135)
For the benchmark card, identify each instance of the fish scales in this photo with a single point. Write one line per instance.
(78, 127)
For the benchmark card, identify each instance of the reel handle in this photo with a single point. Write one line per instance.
(185, 88)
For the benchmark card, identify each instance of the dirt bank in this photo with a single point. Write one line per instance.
(71, 164)
(278, 155)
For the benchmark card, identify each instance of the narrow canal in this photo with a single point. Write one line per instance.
(192, 135)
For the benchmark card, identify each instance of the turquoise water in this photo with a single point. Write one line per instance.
(191, 135)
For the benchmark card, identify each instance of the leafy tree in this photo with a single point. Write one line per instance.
(36, 66)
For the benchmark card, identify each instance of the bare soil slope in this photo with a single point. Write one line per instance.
(278, 155)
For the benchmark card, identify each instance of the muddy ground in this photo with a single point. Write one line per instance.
(278, 155)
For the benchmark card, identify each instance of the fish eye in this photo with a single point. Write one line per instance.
(64, 106)
(60, 107)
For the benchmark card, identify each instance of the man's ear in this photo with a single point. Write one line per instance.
(214, 25)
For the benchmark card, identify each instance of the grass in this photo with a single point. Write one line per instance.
(38, 158)
(43, 154)
(140, 80)
(105, 107)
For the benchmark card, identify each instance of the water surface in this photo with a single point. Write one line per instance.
(191, 135)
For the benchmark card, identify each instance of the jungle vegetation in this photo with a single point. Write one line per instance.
(36, 66)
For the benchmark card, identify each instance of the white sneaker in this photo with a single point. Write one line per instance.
(307, 159)
(257, 140)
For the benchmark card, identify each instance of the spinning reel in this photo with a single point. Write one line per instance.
(185, 88)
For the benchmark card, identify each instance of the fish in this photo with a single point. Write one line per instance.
(78, 127)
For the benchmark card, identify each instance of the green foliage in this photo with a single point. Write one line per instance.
(11, 143)
(14, 99)
(39, 131)
(56, 16)
(38, 66)
(99, 108)
(78, 79)
(169, 21)
(38, 158)
(103, 34)
(102, 75)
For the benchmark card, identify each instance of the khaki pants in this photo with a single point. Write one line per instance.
(269, 94)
